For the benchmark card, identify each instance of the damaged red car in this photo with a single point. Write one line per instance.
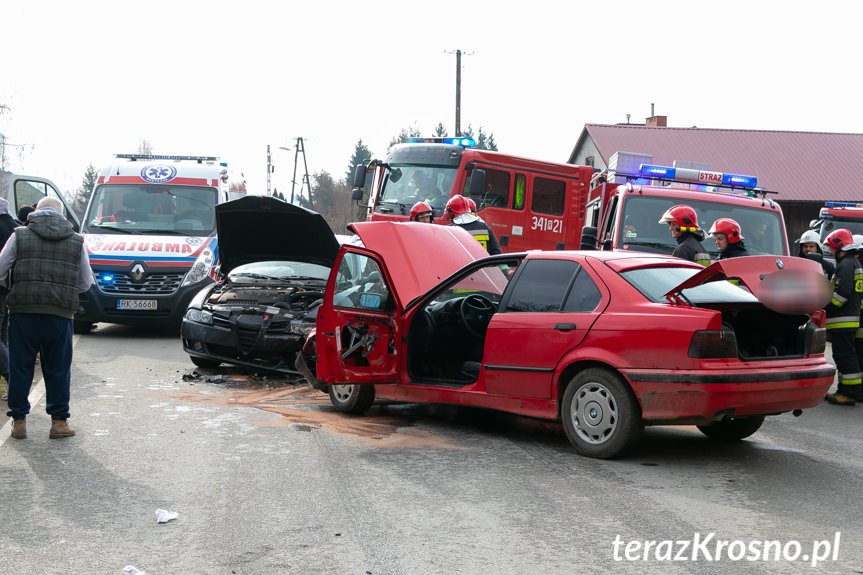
(604, 342)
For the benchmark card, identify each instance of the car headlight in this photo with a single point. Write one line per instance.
(302, 327)
(201, 268)
(199, 316)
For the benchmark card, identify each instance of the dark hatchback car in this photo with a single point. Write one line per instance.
(274, 258)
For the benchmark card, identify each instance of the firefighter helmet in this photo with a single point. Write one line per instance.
(420, 209)
(471, 203)
(840, 240)
(456, 206)
(683, 215)
(729, 227)
(809, 237)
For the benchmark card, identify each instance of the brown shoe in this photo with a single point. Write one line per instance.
(59, 428)
(839, 399)
(19, 428)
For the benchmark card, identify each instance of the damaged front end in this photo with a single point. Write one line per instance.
(253, 325)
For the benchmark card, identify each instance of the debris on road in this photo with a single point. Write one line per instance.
(163, 516)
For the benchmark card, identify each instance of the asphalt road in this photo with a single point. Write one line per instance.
(266, 479)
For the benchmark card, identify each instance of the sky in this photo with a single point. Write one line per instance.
(86, 80)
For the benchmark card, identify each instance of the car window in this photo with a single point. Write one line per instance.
(584, 296)
(542, 286)
(361, 285)
(655, 282)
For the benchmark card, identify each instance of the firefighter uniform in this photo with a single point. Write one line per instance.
(689, 248)
(843, 321)
(480, 230)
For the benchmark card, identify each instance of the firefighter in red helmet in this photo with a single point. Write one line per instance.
(843, 317)
(683, 223)
(728, 237)
(422, 212)
(458, 210)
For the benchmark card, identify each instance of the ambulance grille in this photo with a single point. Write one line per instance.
(153, 284)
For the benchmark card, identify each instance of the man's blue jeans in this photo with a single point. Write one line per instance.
(51, 337)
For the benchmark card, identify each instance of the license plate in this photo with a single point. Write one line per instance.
(139, 304)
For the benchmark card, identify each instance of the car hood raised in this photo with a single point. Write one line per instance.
(786, 284)
(261, 228)
(419, 256)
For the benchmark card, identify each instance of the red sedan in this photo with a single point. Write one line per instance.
(604, 342)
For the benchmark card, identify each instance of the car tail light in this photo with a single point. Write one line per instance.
(818, 342)
(713, 344)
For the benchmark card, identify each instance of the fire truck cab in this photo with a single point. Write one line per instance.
(836, 215)
(149, 230)
(530, 204)
(625, 206)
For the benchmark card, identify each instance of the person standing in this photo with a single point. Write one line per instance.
(458, 210)
(729, 239)
(422, 212)
(683, 223)
(51, 268)
(7, 228)
(843, 318)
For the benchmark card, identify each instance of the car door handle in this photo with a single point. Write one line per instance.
(564, 326)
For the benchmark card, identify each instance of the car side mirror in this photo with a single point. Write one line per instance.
(477, 183)
(360, 175)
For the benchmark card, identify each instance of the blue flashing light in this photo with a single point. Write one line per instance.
(464, 142)
(651, 171)
(738, 181)
(842, 205)
(107, 278)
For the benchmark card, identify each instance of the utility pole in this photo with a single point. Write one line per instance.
(458, 54)
(300, 148)
(269, 168)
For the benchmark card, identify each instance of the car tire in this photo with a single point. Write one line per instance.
(352, 398)
(204, 362)
(600, 414)
(732, 429)
(81, 326)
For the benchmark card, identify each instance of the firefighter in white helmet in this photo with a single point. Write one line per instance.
(810, 247)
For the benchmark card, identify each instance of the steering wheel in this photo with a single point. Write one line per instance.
(475, 312)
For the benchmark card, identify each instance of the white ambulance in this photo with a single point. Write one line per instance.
(150, 233)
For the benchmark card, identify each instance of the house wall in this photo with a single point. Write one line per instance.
(588, 149)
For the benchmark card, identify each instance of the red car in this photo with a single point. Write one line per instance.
(604, 342)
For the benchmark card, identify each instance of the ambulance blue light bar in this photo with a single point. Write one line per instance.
(842, 205)
(464, 142)
(161, 157)
(697, 176)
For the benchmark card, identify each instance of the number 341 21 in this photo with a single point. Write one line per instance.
(547, 225)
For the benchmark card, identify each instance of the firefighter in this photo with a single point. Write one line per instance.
(458, 210)
(810, 247)
(422, 212)
(843, 317)
(729, 240)
(683, 223)
(858, 338)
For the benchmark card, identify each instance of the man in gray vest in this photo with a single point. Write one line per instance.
(51, 268)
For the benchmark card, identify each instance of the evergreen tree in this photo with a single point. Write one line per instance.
(82, 195)
(331, 199)
(440, 130)
(361, 154)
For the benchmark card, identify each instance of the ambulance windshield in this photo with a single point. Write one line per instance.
(403, 185)
(151, 209)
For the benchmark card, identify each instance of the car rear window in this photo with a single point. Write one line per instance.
(655, 282)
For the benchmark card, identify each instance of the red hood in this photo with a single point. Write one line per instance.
(419, 256)
(785, 284)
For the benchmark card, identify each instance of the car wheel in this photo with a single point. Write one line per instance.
(600, 414)
(204, 362)
(732, 429)
(81, 326)
(352, 398)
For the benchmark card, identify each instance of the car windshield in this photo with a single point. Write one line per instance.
(150, 209)
(278, 270)
(762, 229)
(853, 226)
(404, 185)
(655, 282)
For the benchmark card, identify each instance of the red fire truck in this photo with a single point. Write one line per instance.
(532, 204)
(835, 215)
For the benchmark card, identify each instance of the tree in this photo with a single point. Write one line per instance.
(483, 141)
(440, 130)
(332, 200)
(82, 195)
(3, 109)
(145, 147)
(361, 154)
(404, 134)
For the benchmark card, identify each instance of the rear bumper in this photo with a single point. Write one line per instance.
(668, 396)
